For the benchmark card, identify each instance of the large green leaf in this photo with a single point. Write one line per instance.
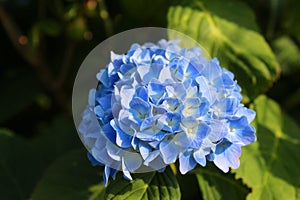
(70, 177)
(19, 167)
(271, 165)
(228, 31)
(151, 185)
(59, 138)
(215, 184)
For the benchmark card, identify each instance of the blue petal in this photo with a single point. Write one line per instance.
(165, 75)
(186, 162)
(176, 90)
(142, 93)
(156, 68)
(200, 157)
(139, 109)
(243, 111)
(126, 94)
(98, 110)
(102, 156)
(126, 68)
(151, 156)
(135, 142)
(122, 139)
(154, 144)
(228, 81)
(109, 132)
(169, 151)
(102, 76)
(145, 72)
(106, 175)
(132, 161)
(171, 122)
(201, 132)
(229, 158)
(145, 150)
(212, 70)
(93, 161)
(208, 92)
(241, 132)
(231, 104)
(104, 101)
(191, 71)
(156, 91)
(171, 104)
(92, 96)
(126, 173)
(113, 173)
(182, 141)
(218, 129)
(114, 152)
(222, 146)
(177, 67)
(247, 135)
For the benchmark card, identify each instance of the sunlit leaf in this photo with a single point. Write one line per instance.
(271, 165)
(215, 184)
(151, 185)
(228, 31)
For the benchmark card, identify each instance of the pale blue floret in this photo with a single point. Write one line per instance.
(158, 103)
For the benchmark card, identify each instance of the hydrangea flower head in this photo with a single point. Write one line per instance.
(159, 103)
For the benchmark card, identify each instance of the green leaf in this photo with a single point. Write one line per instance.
(287, 54)
(58, 139)
(271, 165)
(19, 167)
(70, 177)
(151, 185)
(228, 31)
(215, 184)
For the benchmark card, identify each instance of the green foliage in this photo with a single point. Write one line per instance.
(270, 166)
(70, 177)
(288, 54)
(23, 161)
(214, 184)
(151, 185)
(49, 149)
(19, 169)
(228, 31)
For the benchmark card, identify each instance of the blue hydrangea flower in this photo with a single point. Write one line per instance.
(159, 103)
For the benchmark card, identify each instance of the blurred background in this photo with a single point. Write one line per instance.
(43, 43)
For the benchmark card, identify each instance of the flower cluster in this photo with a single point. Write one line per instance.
(158, 103)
